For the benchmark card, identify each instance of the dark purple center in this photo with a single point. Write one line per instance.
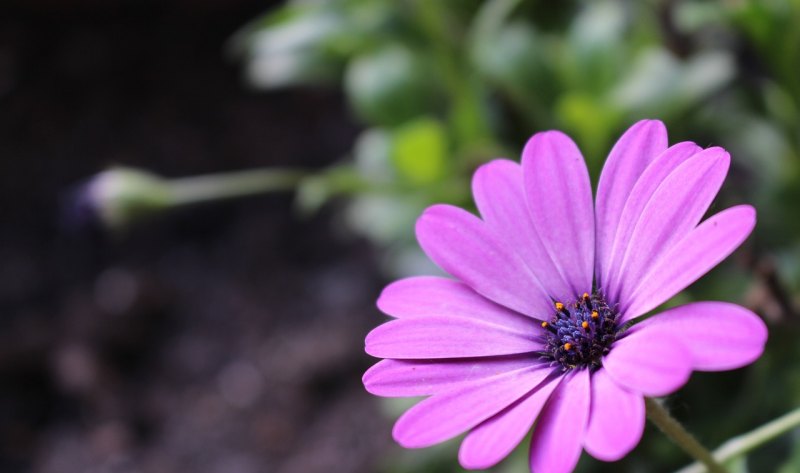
(580, 333)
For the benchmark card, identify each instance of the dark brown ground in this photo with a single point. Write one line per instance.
(220, 339)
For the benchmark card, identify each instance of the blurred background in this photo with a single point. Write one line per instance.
(151, 323)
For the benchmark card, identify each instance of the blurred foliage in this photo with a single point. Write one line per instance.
(443, 86)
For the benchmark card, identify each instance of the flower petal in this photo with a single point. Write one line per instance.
(649, 362)
(675, 209)
(461, 244)
(401, 378)
(702, 249)
(559, 197)
(492, 441)
(639, 196)
(558, 437)
(446, 337)
(718, 335)
(617, 419)
(500, 197)
(627, 161)
(425, 296)
(446, 415)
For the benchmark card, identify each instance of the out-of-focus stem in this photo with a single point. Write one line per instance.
(738, 446)
(678, 434)
(191, 190)
(119, 196)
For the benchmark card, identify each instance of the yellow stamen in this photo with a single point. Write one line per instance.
(586, 296)
(595, 315)
(585, 325)
(567, 346)
(559, 306)
(545, 324)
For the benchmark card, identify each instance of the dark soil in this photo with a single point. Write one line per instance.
(225, 338)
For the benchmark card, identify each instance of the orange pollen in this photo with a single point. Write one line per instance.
(544, 324)
(586, 296)
(585, 325)
(559, 306)
(595, 315)
(567, 346)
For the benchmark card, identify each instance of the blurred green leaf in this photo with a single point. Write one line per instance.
(597, 47)
(372, 154)
(660, 84)
(491, 19)
(792, 465)
(290, 50)
(307, 43)
(382, 217)
(591, 121)
(738, 465)
(420, 151)
(391, 85)
(518, 61)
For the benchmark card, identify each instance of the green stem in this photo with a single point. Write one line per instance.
(190, 190)
(749, 441)
(675, 431)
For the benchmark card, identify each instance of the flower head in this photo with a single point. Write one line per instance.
(116, 197)
(539, 323)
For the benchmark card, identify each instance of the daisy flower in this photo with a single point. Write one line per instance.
(538, 326)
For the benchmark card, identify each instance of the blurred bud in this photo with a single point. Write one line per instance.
(391, 85)
(120, 195)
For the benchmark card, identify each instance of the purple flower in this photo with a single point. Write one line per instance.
(538, 324)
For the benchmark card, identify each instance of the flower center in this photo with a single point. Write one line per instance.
(580, 333)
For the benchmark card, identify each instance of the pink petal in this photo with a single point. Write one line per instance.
(401, 378)
(461, 244)
(492, 441)
(675, 209)
(702, 249)
(617, 419)
(718, 335)
(500, 197)
(446, 415)
(639, 196)
(559, 197)
(649, 362)
(425, 296)
(627, 161)
(558, 437)
(446, 337)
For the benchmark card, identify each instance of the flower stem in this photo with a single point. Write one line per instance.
(738, 446)
(191, 190)
(675, 431)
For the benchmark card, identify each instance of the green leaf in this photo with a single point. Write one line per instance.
(597, 50)
(292, 49)
(518, 61)
(419, 151)
(592, 121)
(372, 155)
(390, 85)
(738, 465)
(661, 84)
(383, 218)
